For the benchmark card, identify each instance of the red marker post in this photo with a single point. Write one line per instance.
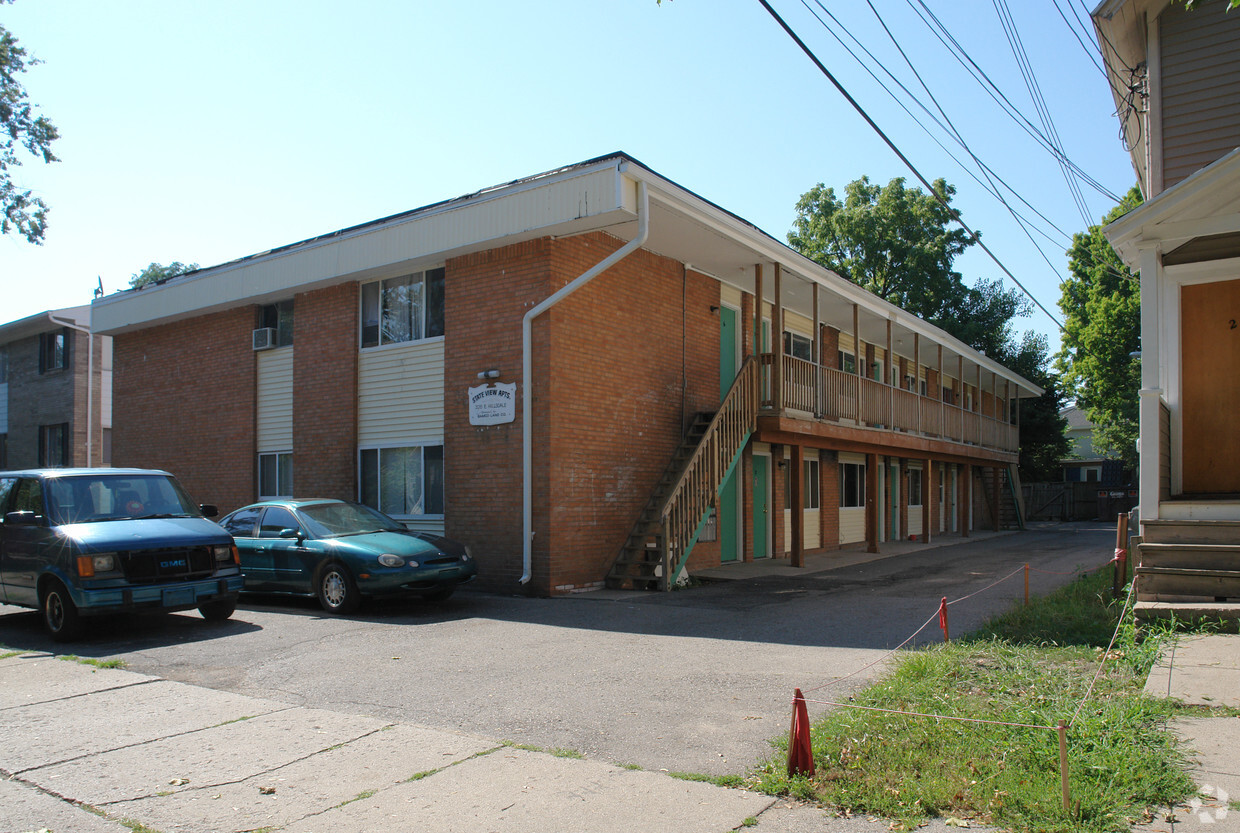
(943, 619)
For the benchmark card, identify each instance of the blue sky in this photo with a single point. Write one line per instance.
(202, 132)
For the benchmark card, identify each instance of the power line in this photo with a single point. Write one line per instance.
(861, 111)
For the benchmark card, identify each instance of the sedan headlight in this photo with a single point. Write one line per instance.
(389, 560)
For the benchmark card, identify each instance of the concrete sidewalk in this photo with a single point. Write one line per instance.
(99, 750)
(1204, 671)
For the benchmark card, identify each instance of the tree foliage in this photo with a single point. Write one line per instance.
(898, 243)
(20, 128)
(156, 273)
(1101, 303)
(892, 240)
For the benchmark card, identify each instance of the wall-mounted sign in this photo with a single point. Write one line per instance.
(493, 404)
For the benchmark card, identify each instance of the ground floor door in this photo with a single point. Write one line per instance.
(1210, 386)
(761, 505)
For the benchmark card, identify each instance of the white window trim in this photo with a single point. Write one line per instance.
(411, 444)
(361, 311)
(258, 472)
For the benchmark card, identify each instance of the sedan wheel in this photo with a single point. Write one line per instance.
(337, 590)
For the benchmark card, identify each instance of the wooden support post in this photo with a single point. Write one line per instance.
(966, 498)
(857, 360)
(995, 501)
(777, 336)
(1120, 574)
(817, 357)
(1063, 765)
(929, 498)
(796, 480)
(757, 310)
(871, 503)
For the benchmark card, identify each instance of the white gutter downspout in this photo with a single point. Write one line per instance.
(527, 370)
(90, 382)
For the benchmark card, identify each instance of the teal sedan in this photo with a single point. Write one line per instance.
(342, 552)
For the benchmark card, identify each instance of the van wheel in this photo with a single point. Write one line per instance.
(60, 615)
(218, 610)
(336, 589)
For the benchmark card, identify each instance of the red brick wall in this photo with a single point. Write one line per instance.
(183, 401)
(830, 499)
(486, 296)
(325, 345)
(633, 356)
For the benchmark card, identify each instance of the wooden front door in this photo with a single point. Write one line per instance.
(1210, 392)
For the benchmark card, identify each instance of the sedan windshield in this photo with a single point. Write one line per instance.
(107, 497)
(332, 520)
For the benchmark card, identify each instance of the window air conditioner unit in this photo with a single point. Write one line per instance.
(264, 338)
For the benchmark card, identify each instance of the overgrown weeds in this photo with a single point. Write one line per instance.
(1016, 677)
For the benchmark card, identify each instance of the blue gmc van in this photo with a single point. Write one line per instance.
(84, 542)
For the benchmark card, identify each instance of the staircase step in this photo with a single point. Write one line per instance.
(1168, 583)
(1187, 611)
(1190, 532)
(1189, 556)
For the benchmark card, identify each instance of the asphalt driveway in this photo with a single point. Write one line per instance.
(696, 680)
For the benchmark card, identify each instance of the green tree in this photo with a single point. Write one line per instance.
(1101, 303)
(896, 242)
(892, 240)
(20, 127)
(156, 273)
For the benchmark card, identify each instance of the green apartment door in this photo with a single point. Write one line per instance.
(761, 508)
(729, 494)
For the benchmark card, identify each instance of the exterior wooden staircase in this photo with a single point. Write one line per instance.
(1188, 569)
(667, 528)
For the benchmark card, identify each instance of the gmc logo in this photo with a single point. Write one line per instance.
(166, 565)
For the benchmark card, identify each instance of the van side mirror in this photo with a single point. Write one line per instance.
(209, 510)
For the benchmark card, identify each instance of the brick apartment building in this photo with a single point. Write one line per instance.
(562, 373)
(55, 391)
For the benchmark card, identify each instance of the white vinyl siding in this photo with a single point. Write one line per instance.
(811, 528)
(400, 395)
(852, 518)
(731, 296)
(274, 417)
(914, 521)
(1200, 88)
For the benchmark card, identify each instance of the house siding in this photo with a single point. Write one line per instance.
(401, 394)
(1199, 87)
(274, 414)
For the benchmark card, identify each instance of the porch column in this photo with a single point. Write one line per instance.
(995, 500)
(929, 499)
(891, 390)
(817, 358)
(965, 503)
(757, 310)
(871, 503)
(796, 482)
(1150, 474)
(777, 336)
(917, 388)
(858, 360)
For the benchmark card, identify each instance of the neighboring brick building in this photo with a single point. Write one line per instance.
(343, 365)
(48, 414)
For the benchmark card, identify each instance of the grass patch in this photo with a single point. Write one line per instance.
(1031, 666)
(557, 752)
(717, 780)
(8, 654)
(94, 663)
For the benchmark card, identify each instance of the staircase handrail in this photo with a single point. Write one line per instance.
(684, 506)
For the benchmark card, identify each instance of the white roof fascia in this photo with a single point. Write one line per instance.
(793, 261)
(42, 322)
(1159, 221)
(589, 197)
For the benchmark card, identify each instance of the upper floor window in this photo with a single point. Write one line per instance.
(848, 362)
(54, 350)
(4, 365)
(798, 346)
(408, 308)
(279, 317)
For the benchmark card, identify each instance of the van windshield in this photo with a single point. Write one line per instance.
(115, 497)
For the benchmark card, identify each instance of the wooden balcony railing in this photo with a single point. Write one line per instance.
(839, 395)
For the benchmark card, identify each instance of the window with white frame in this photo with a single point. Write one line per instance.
(275, 474)
(798, 346)
(852, 484)
(848, 362)
(914, 487)
(402, 481)
(408, 308)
